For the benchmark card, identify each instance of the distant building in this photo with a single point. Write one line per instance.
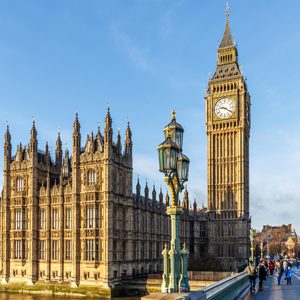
(278, 240)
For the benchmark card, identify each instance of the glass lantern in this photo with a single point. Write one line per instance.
(167, 155)
(183, 167)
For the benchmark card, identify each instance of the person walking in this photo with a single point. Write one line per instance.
(271, 267)
(279, 271)
(288, 275)
(262, 274)
(252, 274)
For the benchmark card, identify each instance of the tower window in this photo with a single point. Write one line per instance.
(55, 218)
(68, 250)
(54, 252)
(42, 249)
(68, 218)
(19, 219)
(42, 219)
(92, 177)
(20, 184)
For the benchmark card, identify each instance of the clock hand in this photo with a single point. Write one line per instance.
(226, 109)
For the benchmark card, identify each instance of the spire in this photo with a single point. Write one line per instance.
(108, 120)
(108, 128)
(167, 199)
(7, 136)
(33, 138)
(76, 125)
(76, 139)
(47, 154)
(186, 199)
(195, 205)
(161, 196)
(119, 145)
(33, 132)
(153, 198)
(227, 40)
(138, 188)
(58, 151)
(128, 140)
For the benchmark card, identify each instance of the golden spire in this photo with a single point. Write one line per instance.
(227, 12)
(173, 115)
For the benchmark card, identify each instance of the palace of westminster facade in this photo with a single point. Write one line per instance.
(76, 219)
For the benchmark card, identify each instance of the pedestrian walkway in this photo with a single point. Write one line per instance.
(272, 291)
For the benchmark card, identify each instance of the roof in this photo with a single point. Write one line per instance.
(227, 40)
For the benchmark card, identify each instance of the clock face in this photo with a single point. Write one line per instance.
(225, 108)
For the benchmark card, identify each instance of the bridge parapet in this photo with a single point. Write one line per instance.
(230, 288)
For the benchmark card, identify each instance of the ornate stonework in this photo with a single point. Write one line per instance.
(75, 219)
(228, 132)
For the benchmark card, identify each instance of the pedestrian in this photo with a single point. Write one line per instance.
(252, 274)
(271, 267)
(279, 271)
(262, 274)
(288, 275)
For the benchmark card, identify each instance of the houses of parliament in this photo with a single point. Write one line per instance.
(77, 218)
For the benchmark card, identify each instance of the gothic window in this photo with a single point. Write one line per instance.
(42, 218)
(55, 218)
(54, 250)
(92, 177)
(124, 245)
(19, 249)
(90, 250)
(68, 250)
(42, 249)
(20, 184)
(19, 219)
(68, 218)
(91, 216)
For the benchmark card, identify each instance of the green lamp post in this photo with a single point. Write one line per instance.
(175, 166)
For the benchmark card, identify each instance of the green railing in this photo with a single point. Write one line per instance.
(230, 288)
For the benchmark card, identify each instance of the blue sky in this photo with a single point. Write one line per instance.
(144, 58)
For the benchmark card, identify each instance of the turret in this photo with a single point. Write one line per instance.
(66, 167)
(167, 199)
(58, 153)
(119, 145)
(138, 190)
(33, 140)
(186, 199)
(195, 205)
(146, 195)
(128, 141)
(47, 154)
(108, 132)
(161, 198)
(76, 140)
(153, 198)
(7, 149)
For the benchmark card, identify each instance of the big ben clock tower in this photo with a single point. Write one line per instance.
(228, 132)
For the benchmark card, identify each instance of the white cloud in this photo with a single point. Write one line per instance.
(136, 54)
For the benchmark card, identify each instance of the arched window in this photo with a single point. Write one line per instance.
(92, 177)
(20, 184)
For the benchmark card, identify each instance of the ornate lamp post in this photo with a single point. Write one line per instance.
(175, 166)
(252, 246)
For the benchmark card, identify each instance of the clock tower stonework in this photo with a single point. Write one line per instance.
(228, 132)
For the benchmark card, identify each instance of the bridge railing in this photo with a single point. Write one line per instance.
(230, 288)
